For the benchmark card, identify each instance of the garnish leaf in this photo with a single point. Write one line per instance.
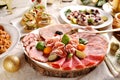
(83, 41)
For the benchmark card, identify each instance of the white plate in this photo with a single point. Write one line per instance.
(73, 8)
(45, 65)
(16, 23)
(15, 36)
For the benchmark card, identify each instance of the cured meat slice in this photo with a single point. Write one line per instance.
(74, 42)
(94, 48)
(28, 41)
(99, 40)
(52, 41)
(59, 52)
(49, 31)
(37, 55)
(77, 64)
(70, 48)
(27, 37)
(59, 63)
(29, 47)
(88, 63)
(59, 45)
(67, 65)
(96, 57)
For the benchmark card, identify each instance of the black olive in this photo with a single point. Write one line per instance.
(92, 10)
(59, 32)
(96, 20)
(96, 11)
(87, 13)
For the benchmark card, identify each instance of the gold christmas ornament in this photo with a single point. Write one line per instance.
(11, 63)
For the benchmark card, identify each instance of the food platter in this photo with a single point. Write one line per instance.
(73, 8)
(14, 34)
(16, 23)
(45, 65)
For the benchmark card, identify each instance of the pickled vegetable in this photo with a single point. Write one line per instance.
(83, 41)
(100, 3)
(65, 39)
(47, 50)
(40, 45)
(67, 12)
(70, 55)
(104, 18)
(74, 21)
(80, 54)
(52, 57)
(81, 47)
(114, 47)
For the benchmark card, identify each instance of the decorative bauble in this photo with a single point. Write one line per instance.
(11, 63)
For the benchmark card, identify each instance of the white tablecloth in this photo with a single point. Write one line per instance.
(28, 73)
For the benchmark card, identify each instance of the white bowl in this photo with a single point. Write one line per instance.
(14, 34)
(73, 8)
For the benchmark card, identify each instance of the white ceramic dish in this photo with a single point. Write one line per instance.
(16, 23)
(73, 8)
(45, 65)
(15, 36)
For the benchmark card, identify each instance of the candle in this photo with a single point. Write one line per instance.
(116, 5)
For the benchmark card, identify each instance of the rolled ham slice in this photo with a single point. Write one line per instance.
(67, 65)
(58, 64)
(27, 37)
(96, 57)
(77, 64)
(88, 62)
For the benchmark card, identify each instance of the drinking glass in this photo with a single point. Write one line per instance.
(64, 3)
(5, 10)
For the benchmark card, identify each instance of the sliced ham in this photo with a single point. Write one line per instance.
(59, 63)
(27, 37)
(77, 64)
(29, 47)
(37, 55)
(50, 42)
(59, 52)
(59, 45)
(94, 48)
(74, 42)
(96, 57)
(98, 39)
(92, 38)
(28, 42)
(88, 63)
(67, 65)
(70, 48)
(49, 31)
